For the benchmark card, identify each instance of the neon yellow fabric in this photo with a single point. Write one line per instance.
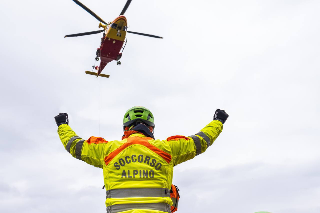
(142, 211)
(137, 165)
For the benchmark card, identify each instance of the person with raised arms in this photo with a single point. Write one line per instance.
(138, 169)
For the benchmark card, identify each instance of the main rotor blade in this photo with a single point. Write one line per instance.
(89, 11)
(125, 7)
(143, 34)
(83, 34)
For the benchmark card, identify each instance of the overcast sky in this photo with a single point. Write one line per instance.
(258, 60)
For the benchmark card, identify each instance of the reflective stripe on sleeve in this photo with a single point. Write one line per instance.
(129, 206)
(205, 137)
(70, 142)
(78, 149)
(197, 142)
(138, 192)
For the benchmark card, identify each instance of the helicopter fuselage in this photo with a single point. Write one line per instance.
(112, 42)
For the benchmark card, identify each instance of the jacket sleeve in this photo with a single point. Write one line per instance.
(185, 148)
(90, 151)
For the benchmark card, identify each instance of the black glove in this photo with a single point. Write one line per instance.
(220, 115)
(62, 118)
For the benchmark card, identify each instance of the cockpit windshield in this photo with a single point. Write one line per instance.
(114, 26)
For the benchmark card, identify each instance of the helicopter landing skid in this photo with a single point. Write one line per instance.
(96, 74)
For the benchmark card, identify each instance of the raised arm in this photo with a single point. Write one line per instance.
(90, 151)
(185, 148)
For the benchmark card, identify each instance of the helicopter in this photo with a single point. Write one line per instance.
(113, 40)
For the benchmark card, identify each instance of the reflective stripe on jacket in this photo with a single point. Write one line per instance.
(138, 170)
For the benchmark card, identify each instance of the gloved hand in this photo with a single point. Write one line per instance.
(62, 118)
(220, 115)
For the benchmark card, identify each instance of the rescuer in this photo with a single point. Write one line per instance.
(138, 169)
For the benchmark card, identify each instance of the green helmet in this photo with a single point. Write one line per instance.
(138, 114)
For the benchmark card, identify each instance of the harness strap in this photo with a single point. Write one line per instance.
(150, 206)
(175, 202)
(138, 192)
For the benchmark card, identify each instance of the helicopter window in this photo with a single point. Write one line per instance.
(114, 26)
(124, 28)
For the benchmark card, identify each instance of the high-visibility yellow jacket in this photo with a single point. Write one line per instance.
(138, 170)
